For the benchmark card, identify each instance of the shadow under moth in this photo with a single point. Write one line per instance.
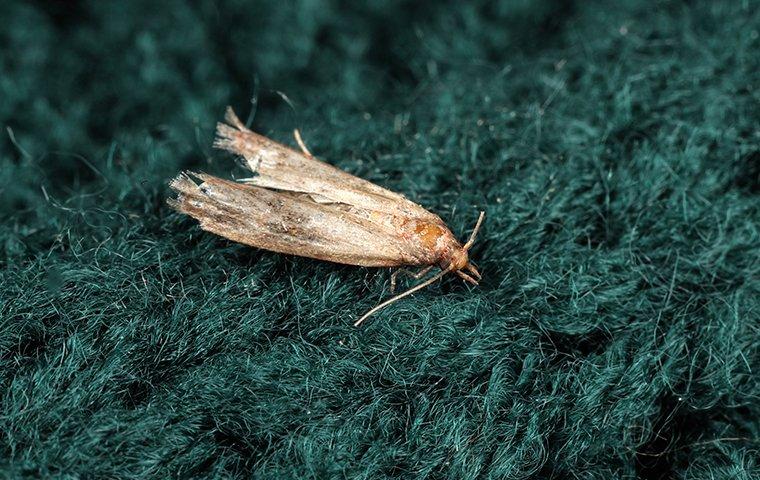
(298, 205)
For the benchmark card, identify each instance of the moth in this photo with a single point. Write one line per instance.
(296, 204)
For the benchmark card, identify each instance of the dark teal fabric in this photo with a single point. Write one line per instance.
(613, 145)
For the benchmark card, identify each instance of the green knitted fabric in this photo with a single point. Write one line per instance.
(614, 147)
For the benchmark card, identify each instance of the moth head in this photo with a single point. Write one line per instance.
(460, 261)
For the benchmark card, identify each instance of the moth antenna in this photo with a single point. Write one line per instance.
(299, 141)
(254, 102)
(474, 233)
(398, 297)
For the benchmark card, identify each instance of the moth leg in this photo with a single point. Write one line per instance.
(415, 276)
(299, 141)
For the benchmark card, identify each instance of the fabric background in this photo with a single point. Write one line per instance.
(614, 146)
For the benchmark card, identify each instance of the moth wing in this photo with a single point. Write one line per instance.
(279, 167)
(293, 223)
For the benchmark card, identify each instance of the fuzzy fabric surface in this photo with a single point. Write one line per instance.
(613, 145)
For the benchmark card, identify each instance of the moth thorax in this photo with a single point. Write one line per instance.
(428, 234)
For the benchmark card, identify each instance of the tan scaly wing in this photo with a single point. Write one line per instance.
(292, 223)
(282, 168)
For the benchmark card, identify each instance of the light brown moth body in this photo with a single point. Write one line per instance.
(296, 204)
